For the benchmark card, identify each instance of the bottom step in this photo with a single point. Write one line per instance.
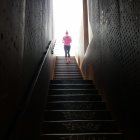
(83, 136)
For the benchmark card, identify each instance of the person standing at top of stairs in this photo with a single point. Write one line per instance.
(67, 45)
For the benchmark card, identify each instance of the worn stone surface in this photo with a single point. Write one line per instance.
(12, 17)
(25, 31)
(114, 55)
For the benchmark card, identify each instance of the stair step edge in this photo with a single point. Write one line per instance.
(85, 134)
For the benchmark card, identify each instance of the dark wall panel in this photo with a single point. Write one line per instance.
(37, 37)
(130, 40)
(12, 17)
(114, 53)
(25, 31)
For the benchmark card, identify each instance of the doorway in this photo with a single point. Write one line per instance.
(67, 15)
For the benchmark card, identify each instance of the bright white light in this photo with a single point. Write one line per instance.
(67, 16)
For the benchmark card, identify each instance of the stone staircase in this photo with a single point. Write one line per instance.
(75, 110)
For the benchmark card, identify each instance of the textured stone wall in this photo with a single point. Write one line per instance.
(12, 17)
(114, 54)
(25, 31)
(37, 36)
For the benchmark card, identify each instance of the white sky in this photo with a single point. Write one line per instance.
(67, 16)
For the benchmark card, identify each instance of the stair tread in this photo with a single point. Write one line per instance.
(76, 115)
(69, 95)
(63, 78)
(71, 70)
(75, 101)
(74, 97)
(100, 133)
(72, 91)
(75, 126)
(66, 73)
(75, 89)
(71, 81)
(71, 86)
(75, 105)
(83, 136)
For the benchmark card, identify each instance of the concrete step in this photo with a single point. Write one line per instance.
(75, 105)
(68, 77)
(68, 74)
(71, 82)
(73, 91)
(74, 97)
(66, 66)
(79, 126)
(83, 136)
(65, 63)
(72, 86)
(67, 70)
(57, 115)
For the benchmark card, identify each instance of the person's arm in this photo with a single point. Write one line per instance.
(70, 39)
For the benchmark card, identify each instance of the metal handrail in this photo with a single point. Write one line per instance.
(38, 73)
(22, 110)
(52, 51)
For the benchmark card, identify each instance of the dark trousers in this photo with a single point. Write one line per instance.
(67, 51)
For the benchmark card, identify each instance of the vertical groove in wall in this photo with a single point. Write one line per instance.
(85, 22)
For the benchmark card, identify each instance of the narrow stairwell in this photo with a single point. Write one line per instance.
(64, 71)
(75, 110)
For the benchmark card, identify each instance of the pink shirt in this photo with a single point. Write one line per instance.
(67, 40)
